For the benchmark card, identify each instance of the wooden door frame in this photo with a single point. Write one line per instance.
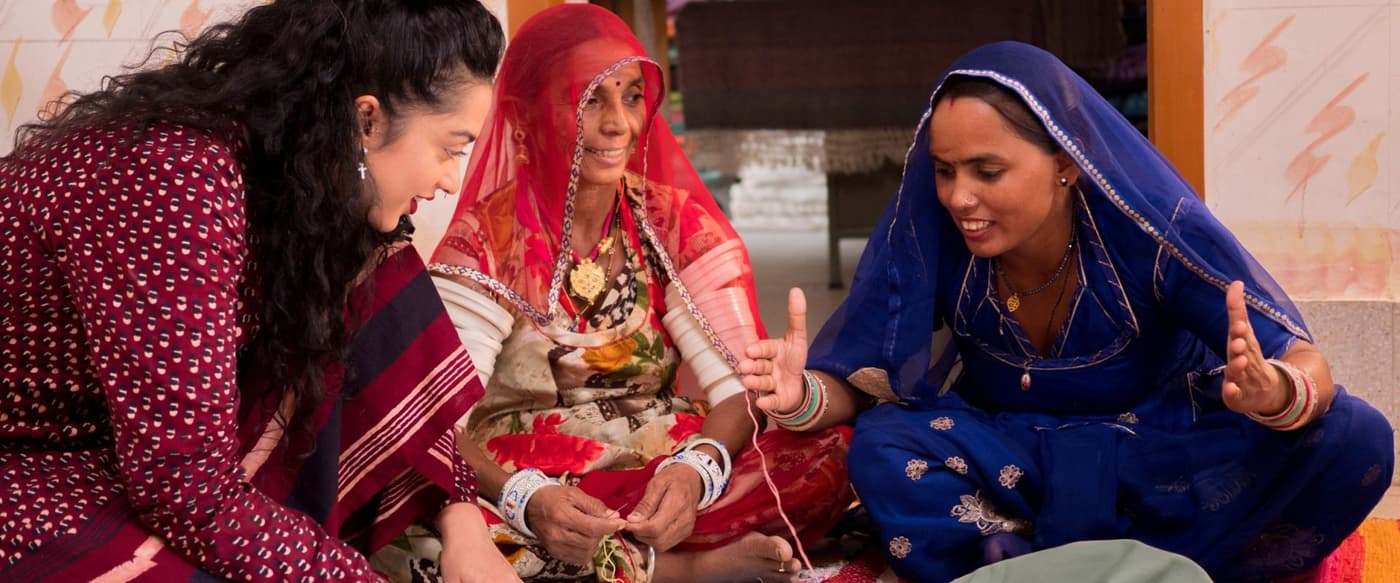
(1176, 85)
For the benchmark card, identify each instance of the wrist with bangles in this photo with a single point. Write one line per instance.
(815, 401)
(516, 494)
(714, 475)
(1302, 404)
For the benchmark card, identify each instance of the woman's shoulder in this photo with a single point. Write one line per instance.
(219, 145)
(133, 139)
(79, 167)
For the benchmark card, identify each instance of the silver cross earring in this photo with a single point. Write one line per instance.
(362, 168)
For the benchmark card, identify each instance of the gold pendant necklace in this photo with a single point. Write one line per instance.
(587, 279)
(1013, 301)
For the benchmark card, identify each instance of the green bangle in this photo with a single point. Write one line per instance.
(1296, 407)
(810, 405)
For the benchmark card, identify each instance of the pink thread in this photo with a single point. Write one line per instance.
(729, 357)
(768, 478)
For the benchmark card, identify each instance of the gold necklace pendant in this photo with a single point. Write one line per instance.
(1013, 302)
(586, 279)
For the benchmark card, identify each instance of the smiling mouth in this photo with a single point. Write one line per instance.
(611, 155)
(974, 225)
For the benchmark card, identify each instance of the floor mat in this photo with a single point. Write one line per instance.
(1370, 555)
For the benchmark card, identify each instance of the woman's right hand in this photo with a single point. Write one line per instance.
(773, 367)
(468, 554)
(570, 523)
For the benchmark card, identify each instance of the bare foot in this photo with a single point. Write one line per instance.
(748, 559)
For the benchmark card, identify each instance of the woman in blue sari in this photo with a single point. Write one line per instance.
(1050, 339)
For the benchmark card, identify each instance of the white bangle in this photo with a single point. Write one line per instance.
(712, 479)
(707, 480)
(713, 375)
(723, 453)
(516, 494)
(714, 476)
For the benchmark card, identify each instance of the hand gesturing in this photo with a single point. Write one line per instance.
(773, 367)
(1252, 385)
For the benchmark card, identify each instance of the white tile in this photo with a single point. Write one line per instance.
(1391, 409)
(1357, 342)
(1389, 506)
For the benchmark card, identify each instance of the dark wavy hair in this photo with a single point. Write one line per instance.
(287, 74)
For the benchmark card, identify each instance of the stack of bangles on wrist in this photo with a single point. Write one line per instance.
(813, 408)
(1303, 404)
(517, 492)
(713, 476)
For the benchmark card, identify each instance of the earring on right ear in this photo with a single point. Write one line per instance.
(361, 167)
(1064, 181)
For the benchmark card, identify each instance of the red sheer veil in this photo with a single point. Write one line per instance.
(513, 225)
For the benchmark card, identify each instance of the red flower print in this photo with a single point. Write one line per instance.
(552, 453)
(686, 426)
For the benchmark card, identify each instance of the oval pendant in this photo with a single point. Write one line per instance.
(1026, 381)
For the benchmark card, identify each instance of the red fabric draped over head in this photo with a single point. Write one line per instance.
(513, 225)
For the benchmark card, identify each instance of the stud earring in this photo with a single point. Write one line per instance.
(1064, 181)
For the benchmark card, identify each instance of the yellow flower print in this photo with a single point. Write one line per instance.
(609, 359)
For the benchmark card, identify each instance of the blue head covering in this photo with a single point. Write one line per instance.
(887, 337)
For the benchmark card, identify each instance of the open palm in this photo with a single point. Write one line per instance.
(773, 367)
(1252, 385)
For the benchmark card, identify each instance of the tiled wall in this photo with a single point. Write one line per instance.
(1302, 117)
(1359, 341)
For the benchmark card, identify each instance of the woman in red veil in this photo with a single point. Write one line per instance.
(585, 267)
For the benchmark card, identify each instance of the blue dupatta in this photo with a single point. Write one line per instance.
(885, 330)
(1123, 434)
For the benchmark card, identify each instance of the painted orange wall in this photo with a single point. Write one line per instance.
(1175, 85)
(518, 11)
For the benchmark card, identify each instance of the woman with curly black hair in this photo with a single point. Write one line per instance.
(201, 314)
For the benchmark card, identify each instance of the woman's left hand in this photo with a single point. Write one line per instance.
(1252, 385)
(468, 554)
(666, 514)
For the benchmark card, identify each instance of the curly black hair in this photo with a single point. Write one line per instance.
(287, 74)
